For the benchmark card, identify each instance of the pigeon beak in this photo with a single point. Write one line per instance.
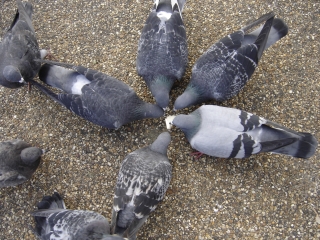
(22, 80)
(45, 151)
(169, 120)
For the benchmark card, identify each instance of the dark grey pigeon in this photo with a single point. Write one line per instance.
(224, 69)
(162, 51)
(232, 133)
(18, 161)
(55, 222)
(143, 179)
(18, 50)
(95, 96)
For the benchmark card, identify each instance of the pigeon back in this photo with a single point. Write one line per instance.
(54, 221)
(162, 50)
(95, 96)
(19, 48)
(224, 69)
(143, 179)
(231, 133)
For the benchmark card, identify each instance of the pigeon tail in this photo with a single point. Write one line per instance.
(278, 30)
(169, 6)
(160, 87)
(304, 147)
(257, 22)
(66, 65)
(62, 78)
(46, 91)
(161, 144)
(48, 202)
(263, 37)
(27, 8)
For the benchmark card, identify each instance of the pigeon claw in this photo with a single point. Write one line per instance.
(196, 155)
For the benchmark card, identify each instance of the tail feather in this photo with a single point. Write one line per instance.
(48, 202)
(263, 36)
(279, 30)
(27, 8)
(46, 91)
(169, 6)
(304, 147)
(52, 202)
(257, 22)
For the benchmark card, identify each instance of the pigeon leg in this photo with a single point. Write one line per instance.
(196, 155)
(46, 54)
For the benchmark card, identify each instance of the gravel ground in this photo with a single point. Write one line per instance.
(267, 196)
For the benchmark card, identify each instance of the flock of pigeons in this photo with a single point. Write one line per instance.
(220, 73)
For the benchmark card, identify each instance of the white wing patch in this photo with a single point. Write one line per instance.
(164, 16)
(78, 85)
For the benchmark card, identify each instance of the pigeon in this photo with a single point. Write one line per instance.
(143, 179)
(162, 49)
(232, 133)
(18, 161)
(54, 221)
(224, 69)
(19, 48)
(95, 96)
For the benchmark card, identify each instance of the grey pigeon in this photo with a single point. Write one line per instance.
(54, 221)
(143, 179)
(162, 51)
(232, 133)
(18, 50)
(95, 96)
(224, 69)
(18, 161)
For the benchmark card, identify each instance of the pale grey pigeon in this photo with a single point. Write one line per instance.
(232, 133)
(224, 69)
(55, 222)
(162, 50)
(18, 161)
(143, 179)
(95, 96)
(19, 48)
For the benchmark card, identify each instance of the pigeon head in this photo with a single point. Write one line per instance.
(160, 87)
(30, 155)
(190, 97)
(12, 74)
(189, 124)
(161, 144)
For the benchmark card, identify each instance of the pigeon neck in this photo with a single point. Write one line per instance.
(160, 87)
(189, 124)
(191, 96)
(161, 144)
(147, 110)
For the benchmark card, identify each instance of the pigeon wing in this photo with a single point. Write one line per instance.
(139, 190)
(10, 177)
(65, 224)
